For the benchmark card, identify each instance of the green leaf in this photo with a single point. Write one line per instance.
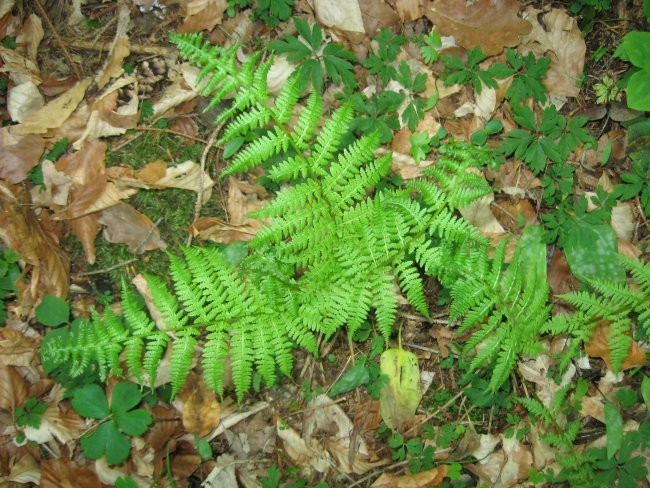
(90, 402)
(203, 447)
(637, 48)
(614, 426)
(479, 137)
(401, 396)
(106, 439)
(52, 311)
(125, 396)
(592, 252)
(126, 482)
(135, 422)
(353, 378)
(638, 90)
(645, 391)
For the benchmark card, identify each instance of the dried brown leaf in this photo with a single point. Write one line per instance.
(423, 479)
(55, 112)
(217, 230)
(18, 154)
(14, 389)
(86, 229)
(342, 14)
(16, 349)
(557, 35)
(23, 100)
(560, 278)
(598, 347)
(377, 14)
(30, 36)
(119, 48)
(201, 408)
(59, 473)
(491, 24)
(125, 225)
(203, 15)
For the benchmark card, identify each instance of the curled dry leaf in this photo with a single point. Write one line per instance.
(18, 154)
(423, 479)
(30, 36)
(19, 68)
(598, 347)
(491, 24)
(55, 112)
(57, 473)
(186, 176)
(479, 213)
(119, 48)
(557, 35)
(16, 349)
(25, 470)
(342, 14)
(203, 15)
(377, 14)
(125, 225)
(14, 389)
(85, 229)
(201, 408)
(24, 99)
(408, 10)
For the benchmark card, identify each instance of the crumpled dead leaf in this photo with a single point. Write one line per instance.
(16, 349)
(30, 36)
(491, 24)
(119, 48)
(23, 100)
(342, 14)
(423, 479)
(598, 347)
(56, 473)
(200, 407)
(18, 154)
(557, 35)
(202, 15)
(53, 113)
(125, 225)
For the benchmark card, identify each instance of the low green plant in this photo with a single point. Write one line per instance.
(365, 372)
(29, 416)
(377, 113)
(234, 5)
(636, 182)
(9, 273)
(457, 72)
(607, 91)
(274, 476)
(413, 85)
(117, 420)
(380, 62)
(528, 74)
(634, 49)
(271, 12)
(430, 46)
(614, 301)
(316, 62)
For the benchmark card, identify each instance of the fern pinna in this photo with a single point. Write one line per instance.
(619, 304)
(336, 251)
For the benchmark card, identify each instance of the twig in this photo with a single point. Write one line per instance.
(106, 46)
(106, 270)
(169, 131)
(199, 193)
(138, 249)
(59, 41)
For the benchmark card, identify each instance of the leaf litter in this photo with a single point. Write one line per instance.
(82, 197)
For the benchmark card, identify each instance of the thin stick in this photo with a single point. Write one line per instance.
(169, 131)
(106, 270)
(106, 46)
(74, 67)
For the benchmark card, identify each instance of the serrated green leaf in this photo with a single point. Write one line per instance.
(125, 396)
(135, 422)
(90, 402)
(52, 311)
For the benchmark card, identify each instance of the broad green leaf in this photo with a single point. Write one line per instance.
(401, 395)
(637, 47)
(354, 377)
(90, 402)
(125, 396)
(645, 391)
(52, 311)
(614, 426)
(531, 252)
(592, 252)
(638, 90)
(126, 482)
(106, 439)
(135, 422)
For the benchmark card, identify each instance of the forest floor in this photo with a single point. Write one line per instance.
(108, 161)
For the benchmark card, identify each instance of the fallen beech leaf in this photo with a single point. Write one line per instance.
(16, 349)
(560, 278)
(26, 470)
(217, 230)
(22, 100)
(479, 213)
(37, 247)
(342, 14)
(243, 198)
(57, 473)
(57, 186)
(509, 213)
(377, 14)
(125, 225)
(19, 68)
(408, 10)
(119, 48)
(64, 426)
(423, 479)
(186, 176)
(55, 112)
(519, 459)
(203, 15)
(85, 229)
(14, 389)
(491, 24)
(513, 178)
(598, 347)
(185, 125)
(30, 36)
(557, 35)
(18, 154)
(201, 408)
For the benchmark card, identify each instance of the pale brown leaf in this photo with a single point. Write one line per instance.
(30, 36)
(119, 48)
(18, 154)
(342, 14)
(203, 15)
(23, 100)
(423, 479)
(58, 473)
(377, 14)
(16, 349)
(125, 225)
(557, 35)
(201, 408)
(55, 112)
(217, 230)
(85, 229)
(598, 347)
(491, 24)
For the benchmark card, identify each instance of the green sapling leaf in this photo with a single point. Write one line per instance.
(125, 396)
(90, 402)
(614, 426)
(353, 378)
(106, 439)
(134, 423)
(52, 311)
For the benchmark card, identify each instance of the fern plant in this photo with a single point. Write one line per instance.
(620, 304)
(336, 249)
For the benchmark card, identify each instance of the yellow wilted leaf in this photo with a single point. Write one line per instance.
(401, 396)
